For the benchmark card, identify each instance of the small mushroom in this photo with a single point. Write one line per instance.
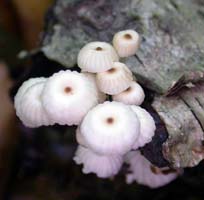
(30, 109)
(114, 80)
(110, 128)
(79, 138)
(144, 173)
(22, 90)
(102, 166)
(147, 127)
(96, 57)
(126, 43)
(101, 96)
(68, 96)
(133, 95)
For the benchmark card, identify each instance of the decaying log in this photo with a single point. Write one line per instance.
(170, 57)
(184, 119)
(171, 35)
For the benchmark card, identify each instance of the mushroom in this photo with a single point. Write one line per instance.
(101, 96)
(110, 128)
(114, 80)
(79, 138)
(126, 43)
(96, 57)
(143, 172)
(102, 166)
(22, 90)
(68, 96)
(30, 109)
(133, 95)
(147, 127)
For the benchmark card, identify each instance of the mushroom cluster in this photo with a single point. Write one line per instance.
(103, 100)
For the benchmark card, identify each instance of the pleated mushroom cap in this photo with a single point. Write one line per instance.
(115, 80)
(92, 77)
(32, 113)
(80, 138)
(110, 128)
(134, 95)
(143, 172)
(96, 57)
(68, 96)
(102, 166)
(147, 127)
(22, 90)
(126, 43)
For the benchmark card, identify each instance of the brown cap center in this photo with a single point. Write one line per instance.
(99, 49)
(112, 70)
(110, 120)
(68, 90)
(154, 169)
(128, 36)
(128, 90)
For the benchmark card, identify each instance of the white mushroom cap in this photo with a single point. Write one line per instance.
(30, 110)
(102, 166)
(126, 43)
(97, 57)
(115, 80)
(80, 138)
(22, 90)
(147, 127)
(101, 96)
(110, 128)
(68, 96)
(143, 172)
(134, 95)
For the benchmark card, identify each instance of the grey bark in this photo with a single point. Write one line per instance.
(184, 119)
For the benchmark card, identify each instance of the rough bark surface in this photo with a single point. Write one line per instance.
(184, 119)
(170, 57)
(172, 41)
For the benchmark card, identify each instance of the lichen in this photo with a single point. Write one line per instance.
(64, 49)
